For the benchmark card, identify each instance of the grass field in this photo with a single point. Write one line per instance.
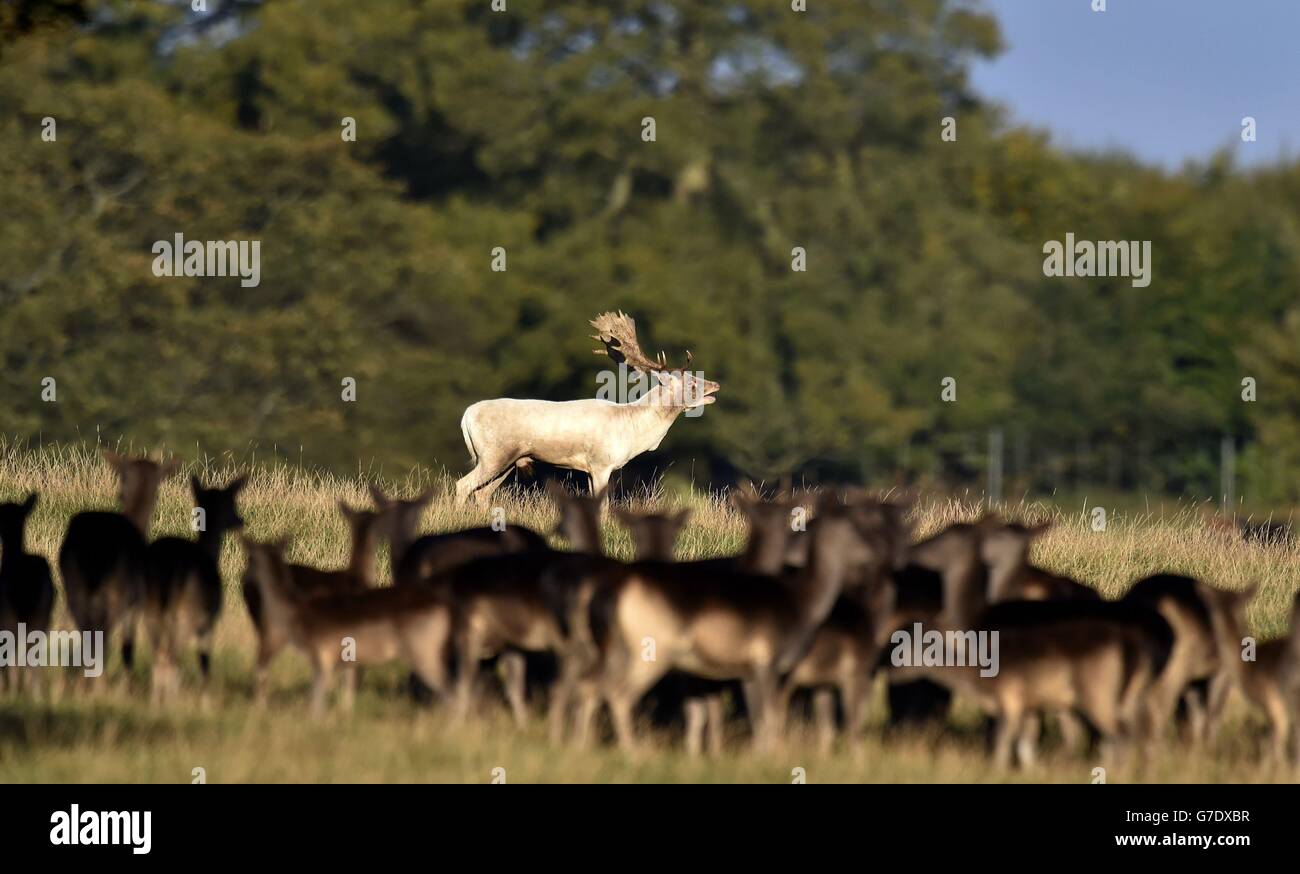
(114, 735)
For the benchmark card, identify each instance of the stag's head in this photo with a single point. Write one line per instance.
(683, 388)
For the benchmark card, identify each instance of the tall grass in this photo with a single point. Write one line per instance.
(114, 736)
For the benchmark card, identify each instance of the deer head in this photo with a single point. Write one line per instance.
(683, 389)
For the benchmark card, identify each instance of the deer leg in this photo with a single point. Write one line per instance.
(1027, 743)
(1279, 718)
(717, 720)
(349, 697)
(1009, 726)
(824, 713)
(514, 668)
(626, 690)
(600, 479)
(324, 675)
(1220, 688)
(489, 469)
(697, 718)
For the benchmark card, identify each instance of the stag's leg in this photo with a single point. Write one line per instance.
(487, 474)
(600, 479)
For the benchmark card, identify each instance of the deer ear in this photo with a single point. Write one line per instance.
(115, 461)
(377, 495)
(1041, 528)
(169, 467)
(195, 485)
(424, 497)
(682, 515)
(237, 484)
(625, 516)
(30, 503)
(555, 491)
(1247, 594)
(347, 511)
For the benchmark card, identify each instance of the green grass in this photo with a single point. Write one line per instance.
(113, 735)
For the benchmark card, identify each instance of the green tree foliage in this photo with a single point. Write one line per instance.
(523, 130)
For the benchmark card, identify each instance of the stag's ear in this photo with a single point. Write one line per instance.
(30, 503)
(377, 495)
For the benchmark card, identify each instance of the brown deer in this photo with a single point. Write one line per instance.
(183, 591)
(1272, 682)
(416, 559)
(530, 602)
(592, 435)
(1004, 548)
(701, 700)
(102, 559)
(26, 589)
(721, 624)
(1208, 625)
(1099, 658)
(345, 629)
(358, 576)
(847, 648)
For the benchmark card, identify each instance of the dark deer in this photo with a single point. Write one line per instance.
(1272, 683)
(721, 624)
(26, 589)
(343, 630)
(102, 560)
(358, 576)
(183, 591)
(1099, 658)
(1205, 663)
(1005, 550)
(418, 559)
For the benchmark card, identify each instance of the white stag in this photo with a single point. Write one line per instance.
(591, 435)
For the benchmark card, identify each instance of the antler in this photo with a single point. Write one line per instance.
(618, 332)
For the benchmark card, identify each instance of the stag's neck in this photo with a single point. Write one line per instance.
(650, 416)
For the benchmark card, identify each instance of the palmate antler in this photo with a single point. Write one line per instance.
(618, 332)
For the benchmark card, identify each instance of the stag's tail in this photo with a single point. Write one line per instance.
(469, 440)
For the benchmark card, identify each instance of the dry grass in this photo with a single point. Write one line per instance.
(114, 736)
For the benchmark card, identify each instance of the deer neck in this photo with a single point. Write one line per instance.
(965, 591)
(818, 584)
(11, 546)
(398, 545)
(653, 414)
(210, 541)
(764, 553)
(138, 508)
(1002, 575)
(362, 562)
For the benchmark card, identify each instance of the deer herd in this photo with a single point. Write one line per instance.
(811, 610)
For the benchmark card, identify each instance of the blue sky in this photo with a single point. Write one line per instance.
(1167, 80)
